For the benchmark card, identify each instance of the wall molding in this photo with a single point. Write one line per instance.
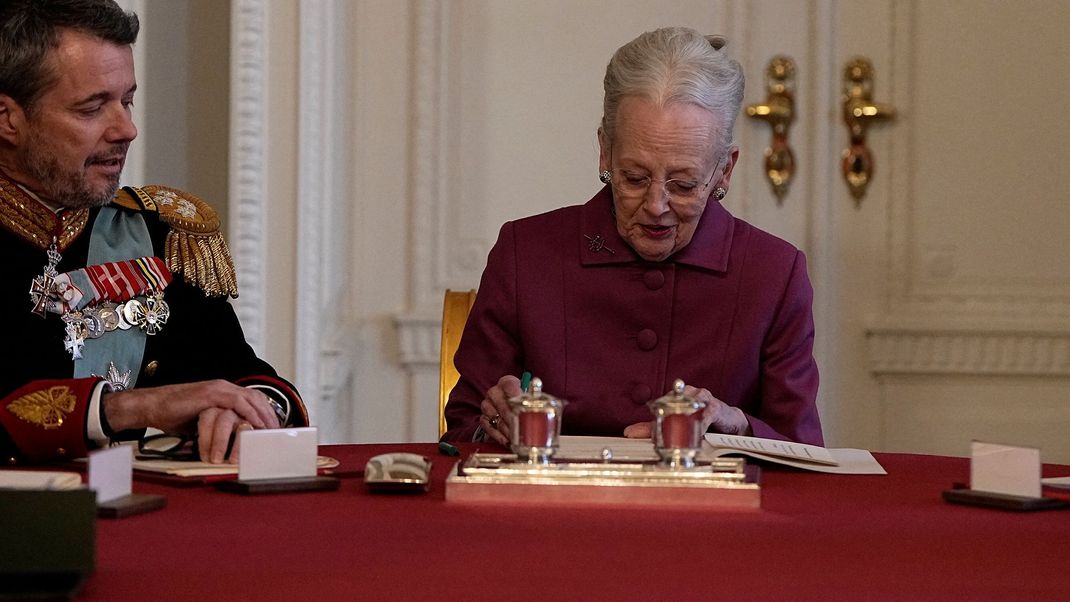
(248, 177)
(313, 180)
(419, 328)
(974, 328)
(419, 338)
(324, 343)
(909, 349)
(428, 198)
(322, 350)
(977, 299)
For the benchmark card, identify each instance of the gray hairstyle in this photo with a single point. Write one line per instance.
(675, 65)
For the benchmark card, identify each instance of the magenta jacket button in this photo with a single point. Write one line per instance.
(647, 339)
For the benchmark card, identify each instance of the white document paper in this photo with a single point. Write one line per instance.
(111, 472)
(1005, 469)
(50, 480)
(846, 460)
(278, 453)
(1060, 482)
(197, 469)
(765, 448)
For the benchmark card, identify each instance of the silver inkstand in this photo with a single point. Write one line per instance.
(547, 469)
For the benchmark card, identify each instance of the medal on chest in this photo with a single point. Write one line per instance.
(41, 286)
(99, 299)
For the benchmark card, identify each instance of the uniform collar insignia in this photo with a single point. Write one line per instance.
(31, 220)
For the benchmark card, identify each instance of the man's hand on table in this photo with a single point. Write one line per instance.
(215, 409)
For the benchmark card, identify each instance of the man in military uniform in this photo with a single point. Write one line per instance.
(113, 303)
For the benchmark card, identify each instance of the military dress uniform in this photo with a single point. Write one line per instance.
(133, 294)
(564, 297)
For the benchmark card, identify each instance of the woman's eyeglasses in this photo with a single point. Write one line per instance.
(634, 184)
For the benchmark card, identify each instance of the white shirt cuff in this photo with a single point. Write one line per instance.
(94, 430)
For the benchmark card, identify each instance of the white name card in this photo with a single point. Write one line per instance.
(1005, 469)
(277, 453)
(111, 472)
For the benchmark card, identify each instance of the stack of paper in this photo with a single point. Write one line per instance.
(799, 455)
(187, 468)
(39, 479)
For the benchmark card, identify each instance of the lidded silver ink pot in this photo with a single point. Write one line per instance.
(677, 427)
(535, 425)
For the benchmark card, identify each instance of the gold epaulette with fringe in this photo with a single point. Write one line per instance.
(195, 247)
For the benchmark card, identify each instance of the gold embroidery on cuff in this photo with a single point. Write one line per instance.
(47, 408)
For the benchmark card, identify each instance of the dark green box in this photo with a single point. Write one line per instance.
(47, 542)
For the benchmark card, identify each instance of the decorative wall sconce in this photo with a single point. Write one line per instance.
(859, 111)
(778, 111)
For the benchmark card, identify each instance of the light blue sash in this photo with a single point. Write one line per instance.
(117, 236)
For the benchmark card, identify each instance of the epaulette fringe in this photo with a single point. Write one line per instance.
(203, 261)
(195, 247)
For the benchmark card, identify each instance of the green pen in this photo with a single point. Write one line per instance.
(447, 449)
(525, 381)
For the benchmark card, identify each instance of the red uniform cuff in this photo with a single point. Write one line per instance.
(298, 412)
(45, 419)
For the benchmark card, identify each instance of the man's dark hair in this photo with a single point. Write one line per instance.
(29, 29)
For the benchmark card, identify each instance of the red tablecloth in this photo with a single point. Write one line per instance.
(817, 537)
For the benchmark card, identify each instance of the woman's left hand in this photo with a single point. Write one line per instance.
(495, 416)
(722, 417)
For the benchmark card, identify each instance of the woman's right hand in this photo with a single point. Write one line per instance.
(495, 416)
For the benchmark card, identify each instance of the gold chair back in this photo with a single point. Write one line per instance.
(455, 308)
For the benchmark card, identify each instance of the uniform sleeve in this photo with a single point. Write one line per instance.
(44, 420)
(490, 345)
(789, 377)
(203, 340)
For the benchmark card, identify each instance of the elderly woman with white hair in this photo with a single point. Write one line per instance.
(652, 279)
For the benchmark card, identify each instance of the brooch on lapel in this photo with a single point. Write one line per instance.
(596, 244)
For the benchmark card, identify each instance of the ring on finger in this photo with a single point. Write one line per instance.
(495, 420)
